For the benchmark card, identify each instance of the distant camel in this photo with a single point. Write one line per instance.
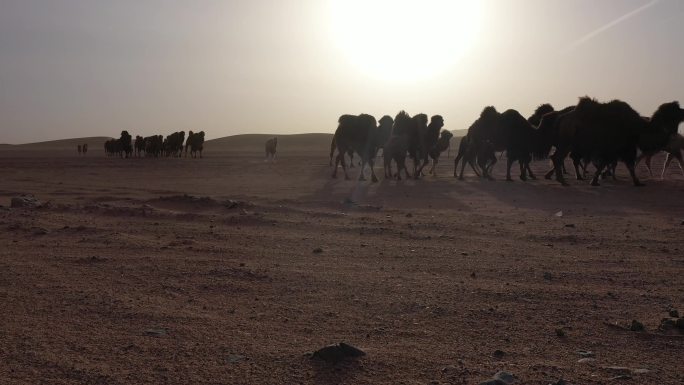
(85, 148)
(195, 143)
(271, 146)
(80, 149)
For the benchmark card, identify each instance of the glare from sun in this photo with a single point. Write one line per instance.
(404, 40)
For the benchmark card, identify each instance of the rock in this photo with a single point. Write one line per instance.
(640, 371)
(336, 353)
(27, 200)
(317, 250)
(560, 332)
(450, 369)
(667, 324)
(559, 214)
(40, 231)
(588, 361)
(409, 215)
(235, 358)
(621, 377)
(492, 382)
(674, 313)
(570, 225)
(618, 369)
(501, 378)
(680, 323)
(548, 276)
(637, 326)
(155, 332)
(586, 353)
(498, 354)
(560, 382)
(505, 377)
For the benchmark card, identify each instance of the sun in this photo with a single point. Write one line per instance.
(404, 40)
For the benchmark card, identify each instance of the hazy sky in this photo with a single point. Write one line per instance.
(72, 68)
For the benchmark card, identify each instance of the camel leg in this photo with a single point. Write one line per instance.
(579, 175)
(371, 163)
(648, 166)
(509, 163)
(523, 170)
(549, 173)
(529, 171)
(599, 169)
(668, 160)
(463, 164)
(362, 177)
(557, 159)
(630, 167)
(678, 155)
(433, 170)
(456, 160)
(337, 163)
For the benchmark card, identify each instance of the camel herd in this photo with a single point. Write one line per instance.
(156, 145)
(590, 133)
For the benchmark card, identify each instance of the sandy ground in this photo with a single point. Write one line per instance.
(228, 270)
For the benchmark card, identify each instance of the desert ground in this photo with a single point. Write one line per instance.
(229, 270)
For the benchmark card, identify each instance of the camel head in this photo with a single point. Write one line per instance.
(667, 118)
(542, 110)
(437, 121)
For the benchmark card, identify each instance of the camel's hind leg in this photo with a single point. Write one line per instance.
(630, 167)
(371, 164)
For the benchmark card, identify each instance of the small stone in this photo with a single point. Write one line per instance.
(570, 225)
(637, 326)
(498, 354)
(155, 332)
(40, 231)
(548, 276)
(560, 332)
(621, 377)
(617, 369)
(409, 215)
(680, 323)
(560, 382)
(235, 358)
(505, 377)
(317, 250)
(586, 353)
(589, 361)
(640, 371)
(674, 313)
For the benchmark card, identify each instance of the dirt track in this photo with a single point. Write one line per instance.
(123, 279)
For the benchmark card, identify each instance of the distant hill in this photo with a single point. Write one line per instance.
(459, 133)
(94, 143)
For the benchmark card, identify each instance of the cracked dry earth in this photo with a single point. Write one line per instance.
(178, 271)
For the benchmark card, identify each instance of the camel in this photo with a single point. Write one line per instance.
(271, 146)
(604, 133)
(357, 133)
(441, 146)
